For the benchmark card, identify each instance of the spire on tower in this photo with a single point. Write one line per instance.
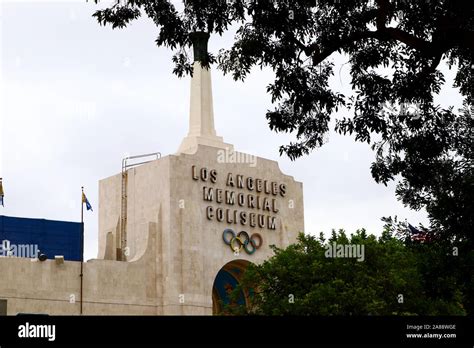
(201, 113)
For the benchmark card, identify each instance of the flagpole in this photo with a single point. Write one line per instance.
(1, 192)
(82, 244)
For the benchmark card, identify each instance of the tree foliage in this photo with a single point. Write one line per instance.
(302, 280)
(394, 48)
(174, 26)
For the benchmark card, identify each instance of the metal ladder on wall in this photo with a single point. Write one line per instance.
(122, 251)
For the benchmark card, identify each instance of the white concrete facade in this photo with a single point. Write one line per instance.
(190, 247)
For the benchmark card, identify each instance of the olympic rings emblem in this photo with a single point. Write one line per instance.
(242, 241)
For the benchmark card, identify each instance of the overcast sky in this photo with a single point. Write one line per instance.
(76, 98)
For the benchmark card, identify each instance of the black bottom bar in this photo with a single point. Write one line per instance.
(244, 331)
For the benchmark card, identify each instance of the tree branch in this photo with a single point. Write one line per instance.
(320, 55)
(433, 49)
(408, 39)
(382, 13)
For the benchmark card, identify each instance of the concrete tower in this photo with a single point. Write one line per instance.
(199, 201)
(201, 109)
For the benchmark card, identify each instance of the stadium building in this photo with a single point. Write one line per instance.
(176, 233)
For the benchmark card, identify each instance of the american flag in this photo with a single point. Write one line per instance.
(416, 234)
